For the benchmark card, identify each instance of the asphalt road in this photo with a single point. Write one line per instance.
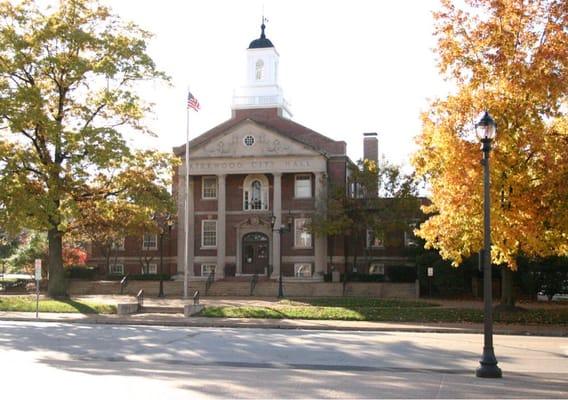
(70, 361)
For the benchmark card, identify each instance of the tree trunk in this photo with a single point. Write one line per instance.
(507, 295)
(56, 285)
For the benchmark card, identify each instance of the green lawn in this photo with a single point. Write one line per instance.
(28, 303)
(355, 302)
(386, 314)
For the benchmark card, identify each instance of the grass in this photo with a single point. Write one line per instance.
(28, 303)
(382, 311)
(357, 302)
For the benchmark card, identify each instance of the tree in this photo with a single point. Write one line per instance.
(67, 93)
(378, 200)
(32, 246)
(509, 57)
(106, 224)
(74, 256)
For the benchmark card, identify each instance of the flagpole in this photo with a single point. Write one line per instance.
(186, 214)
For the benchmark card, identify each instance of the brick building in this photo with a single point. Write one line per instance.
(248, 176)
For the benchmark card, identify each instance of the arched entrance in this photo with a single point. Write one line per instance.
(255, 253)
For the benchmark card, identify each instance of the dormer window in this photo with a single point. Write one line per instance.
(255, 193)
(259, 70)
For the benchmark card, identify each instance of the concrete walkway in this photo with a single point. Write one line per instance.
(177, 319)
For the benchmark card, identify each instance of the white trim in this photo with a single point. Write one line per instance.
(297, 221)
(203, 245)
(144, 247)
(296, 179)
(203, 179)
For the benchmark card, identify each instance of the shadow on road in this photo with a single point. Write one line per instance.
(271, 363)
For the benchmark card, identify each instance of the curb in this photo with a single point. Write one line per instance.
(290, 325)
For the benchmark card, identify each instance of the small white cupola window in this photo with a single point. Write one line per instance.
(255, 193)
(259, 70)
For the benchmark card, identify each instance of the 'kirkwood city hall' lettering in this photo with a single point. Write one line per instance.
(260, 165)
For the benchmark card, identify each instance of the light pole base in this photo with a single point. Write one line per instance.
(280, 288)
(488, 371)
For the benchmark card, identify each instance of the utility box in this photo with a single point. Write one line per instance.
(335, 276)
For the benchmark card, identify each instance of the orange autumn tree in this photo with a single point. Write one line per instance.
(509, 57)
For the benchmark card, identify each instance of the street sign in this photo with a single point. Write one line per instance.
(430, 271)
(38, 269)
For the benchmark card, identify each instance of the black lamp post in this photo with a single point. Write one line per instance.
(164, 222)
(485, 130)
(281, 229)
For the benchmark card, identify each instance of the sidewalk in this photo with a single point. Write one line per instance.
(180, 320)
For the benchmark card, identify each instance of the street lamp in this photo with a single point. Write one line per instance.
(165, 222)
(485, 130)
(280, 230)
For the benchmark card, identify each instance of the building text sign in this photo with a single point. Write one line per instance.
(257, 165)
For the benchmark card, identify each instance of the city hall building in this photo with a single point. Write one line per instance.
(255, 182)
(252, 174)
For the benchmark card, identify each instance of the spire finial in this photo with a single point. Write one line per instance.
(262, 35)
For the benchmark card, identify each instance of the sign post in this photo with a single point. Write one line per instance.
(430, 275)
(38, 279)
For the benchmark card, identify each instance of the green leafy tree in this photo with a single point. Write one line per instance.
(33, 246)
(67, 91)
(380, 200)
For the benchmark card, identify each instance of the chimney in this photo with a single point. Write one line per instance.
(371, 147)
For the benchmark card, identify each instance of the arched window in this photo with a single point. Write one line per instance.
(255, 193)
(259, 70)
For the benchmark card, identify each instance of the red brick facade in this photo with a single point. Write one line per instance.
(277, 138)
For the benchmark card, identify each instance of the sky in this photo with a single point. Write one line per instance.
(346, 67)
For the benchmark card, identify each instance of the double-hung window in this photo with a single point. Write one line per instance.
(117, 269)
(303, 186)
(208, 269)
(209, 187)
(118, 244)
(150, 241)
(302, 235)
(375, 240)
(209, 233)
(303, 270)
(151, 269)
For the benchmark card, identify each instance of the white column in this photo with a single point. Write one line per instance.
(221, 228)
(320, 242)
(191, 235)
(277, 212)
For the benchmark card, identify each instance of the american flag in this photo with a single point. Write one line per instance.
(192, 102)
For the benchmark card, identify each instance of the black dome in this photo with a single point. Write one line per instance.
(262, 41)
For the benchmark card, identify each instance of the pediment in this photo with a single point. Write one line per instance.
(249, 139)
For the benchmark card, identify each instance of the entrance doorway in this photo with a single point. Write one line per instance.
(255, 253)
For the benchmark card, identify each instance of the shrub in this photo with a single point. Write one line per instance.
(77, 272)
(401, 273)
(141, 277)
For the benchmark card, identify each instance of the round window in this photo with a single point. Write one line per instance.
(248, 140)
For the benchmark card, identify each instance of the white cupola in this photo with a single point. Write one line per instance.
(261, 89)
